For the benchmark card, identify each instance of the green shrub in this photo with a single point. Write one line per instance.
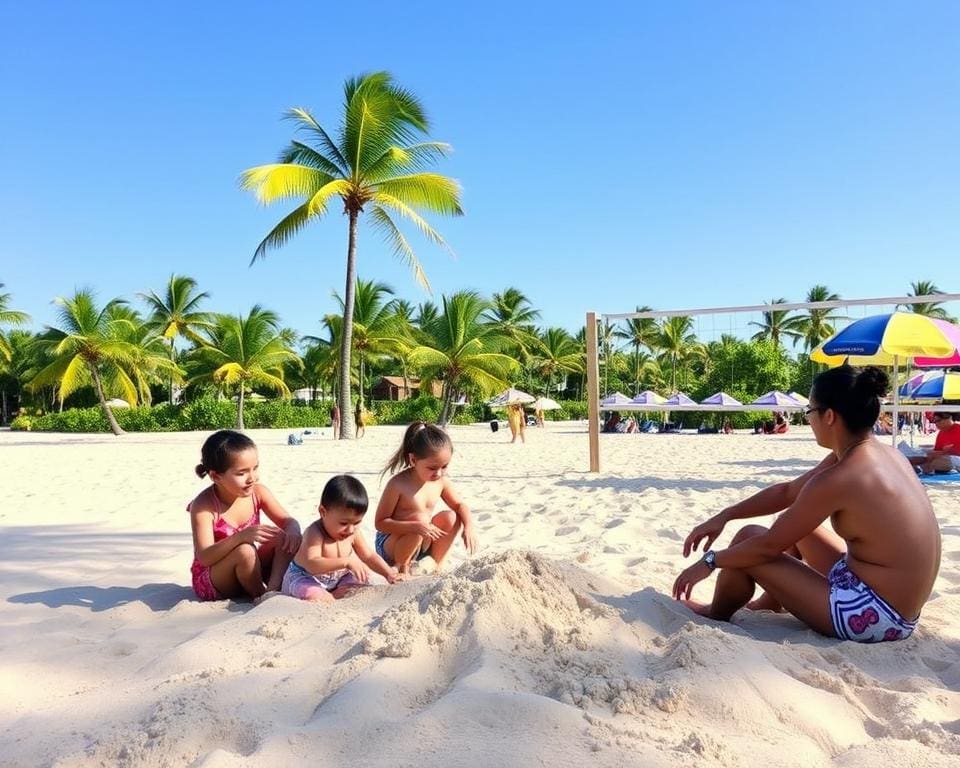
(22, 424)
(405, 411)
(282, 414)
(73, 420)
(207, 413)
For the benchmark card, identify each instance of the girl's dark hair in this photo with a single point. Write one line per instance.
(345, 491)
(219, 449)
(853, 393)
(420, 439)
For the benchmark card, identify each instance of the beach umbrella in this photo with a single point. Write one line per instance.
(899, 337)
(615, 400)
(648, 397)
(510, 397)
(545, 404)
(721, 398)
(912, 383)
(942, 385)
(799, 398)
(679, 398)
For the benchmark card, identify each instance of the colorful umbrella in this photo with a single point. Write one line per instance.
(888, 339)
(891, 339)
(942, 385)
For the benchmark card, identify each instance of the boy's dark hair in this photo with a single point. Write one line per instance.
(345, 491)
(218, 451)
(852, 393)
(420, 439)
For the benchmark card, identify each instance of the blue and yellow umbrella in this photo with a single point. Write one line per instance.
(899, 337)
(942, 385)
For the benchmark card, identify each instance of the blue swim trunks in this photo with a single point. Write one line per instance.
(381, 539)
(859, 613)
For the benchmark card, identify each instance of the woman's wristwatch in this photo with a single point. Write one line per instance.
(710, 559)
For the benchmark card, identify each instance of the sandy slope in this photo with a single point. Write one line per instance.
(557, 644)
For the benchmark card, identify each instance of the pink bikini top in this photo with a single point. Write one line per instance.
(222, 528)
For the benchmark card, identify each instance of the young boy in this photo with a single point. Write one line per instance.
(334, 557)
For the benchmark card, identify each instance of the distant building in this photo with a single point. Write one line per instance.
(394, 388)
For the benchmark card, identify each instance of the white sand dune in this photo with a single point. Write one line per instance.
(558, 644)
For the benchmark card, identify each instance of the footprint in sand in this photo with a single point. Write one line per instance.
(617, 521)
(565, 530)
(669, 533)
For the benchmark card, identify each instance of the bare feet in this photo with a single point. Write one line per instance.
(703, 609)
(764, 603)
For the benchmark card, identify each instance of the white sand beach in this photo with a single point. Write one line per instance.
(557, 644)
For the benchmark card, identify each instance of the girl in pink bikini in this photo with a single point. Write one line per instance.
(234, 555)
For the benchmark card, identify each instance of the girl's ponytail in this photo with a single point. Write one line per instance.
(420, 439)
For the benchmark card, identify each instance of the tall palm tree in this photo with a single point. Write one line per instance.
(779, 324)
(9, 317)
(556, 352)
(176, 314)
(463, 350)
(86, 351)
(245, 351)
(376, 164)
(817, 326)
(376, 330)
(932, 309)
(639, 332)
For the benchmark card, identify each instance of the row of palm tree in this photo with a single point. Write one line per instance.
(469, 344)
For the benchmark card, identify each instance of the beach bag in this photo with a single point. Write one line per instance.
(294, 439)
(494, 425)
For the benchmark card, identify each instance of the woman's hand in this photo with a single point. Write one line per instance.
(259, 534)
(708, 530)
(685, 582)
(470, 540)
(360, 571)
(393, 576)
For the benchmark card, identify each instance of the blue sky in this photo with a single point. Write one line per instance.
(671, 154)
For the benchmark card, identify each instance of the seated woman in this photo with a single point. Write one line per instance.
(780, 424)
(865, 581)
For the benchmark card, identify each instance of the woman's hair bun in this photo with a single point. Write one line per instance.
(200, 470)
(872, 381)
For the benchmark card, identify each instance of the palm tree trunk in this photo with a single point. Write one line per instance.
(347, 426)
(173, 359)
(361, 381)
(447, 397)
(4, 407)
(240, 408)
(111, 419)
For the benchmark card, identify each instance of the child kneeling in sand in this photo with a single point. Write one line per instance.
(407, 526)
(334, 557)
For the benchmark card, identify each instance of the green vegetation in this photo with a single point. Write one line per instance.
(248, 370)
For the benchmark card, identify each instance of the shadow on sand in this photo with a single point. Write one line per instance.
(157, 597)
